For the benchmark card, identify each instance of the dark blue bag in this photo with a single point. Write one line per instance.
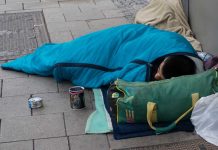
(126, 130)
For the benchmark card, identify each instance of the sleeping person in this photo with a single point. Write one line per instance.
(172, 66)
(132, 52)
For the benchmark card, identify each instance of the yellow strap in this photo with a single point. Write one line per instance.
(152, 113)
(150, 108)
(184, 114)
(195, 98)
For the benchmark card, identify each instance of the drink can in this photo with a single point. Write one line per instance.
(77, 100)
(204, 55)
(35, 102)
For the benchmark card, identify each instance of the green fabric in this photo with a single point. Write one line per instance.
(172, 96)
(99, 120)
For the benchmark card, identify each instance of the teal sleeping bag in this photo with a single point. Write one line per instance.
(98, 58)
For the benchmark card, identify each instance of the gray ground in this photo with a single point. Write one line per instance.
(56, 126)
(130, 7)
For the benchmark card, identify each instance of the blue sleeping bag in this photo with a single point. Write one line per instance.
(98, 58)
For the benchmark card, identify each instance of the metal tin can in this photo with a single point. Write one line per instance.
(77, 97)
(35, 102)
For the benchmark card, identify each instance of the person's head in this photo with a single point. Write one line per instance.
(174, 66)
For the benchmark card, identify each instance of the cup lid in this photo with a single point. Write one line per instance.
(76, 89)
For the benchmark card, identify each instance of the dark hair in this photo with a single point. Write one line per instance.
(178, 65)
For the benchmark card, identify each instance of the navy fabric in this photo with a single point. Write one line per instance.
(126, 130)
(100, 57)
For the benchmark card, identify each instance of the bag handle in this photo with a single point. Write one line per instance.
(152, 115)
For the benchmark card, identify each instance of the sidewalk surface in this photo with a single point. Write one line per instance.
(56, 126)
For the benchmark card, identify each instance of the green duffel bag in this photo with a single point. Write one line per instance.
(159, 101)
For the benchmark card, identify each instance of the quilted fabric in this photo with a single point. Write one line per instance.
(100, 57)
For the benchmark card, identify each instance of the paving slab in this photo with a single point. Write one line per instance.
(61, 36)
(11, 6)
(76, 121)
(84, 15)
(32, 127)
(2, 2)
(99, 5)
(89, 99)
(76, 27)
(30, 85)
(51, 144)
(14, 106)
(36, 5)
(70, 5)
(79, 28)
(58, 17)
(7, 74)
(22, 11)
(52, 0)
(105, 23)
(64, 86)
(57, 27)
(151, 140)
(21, 1)
(21, 145)
(105, 4)
(1, 85)
(90, 11)
(53, 103)
(79, 2)
(89, 6)
(130, 7)
(54, 15)
(113, 13)
(89, 142)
